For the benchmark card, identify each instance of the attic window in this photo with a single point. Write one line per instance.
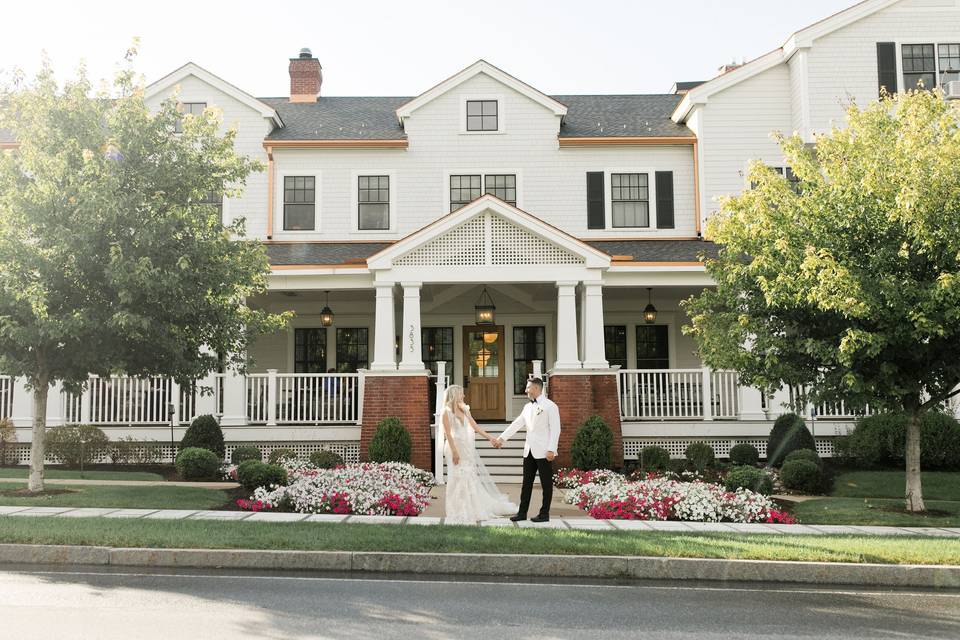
(482, 115)
(189, 108)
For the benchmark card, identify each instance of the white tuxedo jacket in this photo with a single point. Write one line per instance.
(542, 422)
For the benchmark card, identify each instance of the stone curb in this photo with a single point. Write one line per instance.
(541, 566)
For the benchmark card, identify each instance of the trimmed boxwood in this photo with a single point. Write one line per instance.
(253, 474)
(325, 459)
(197, 463)
(744, 453)
(204, 432)
(592, 445)
(748, 477)
(700, 455)
(654, 458)
(390, 442)
(801, 475)
(880, 440)
(804, 454)
(277, 454)
(789, 433)
(244, 453)
(77, 445)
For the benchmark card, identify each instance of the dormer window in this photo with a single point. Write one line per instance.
(482, 115)
(189, 108)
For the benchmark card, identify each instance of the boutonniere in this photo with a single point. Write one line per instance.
(538, 411)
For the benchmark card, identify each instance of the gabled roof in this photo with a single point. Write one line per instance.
(621, 116)
(798, 40)
(191, 69)
(478, 67)
(338, 118)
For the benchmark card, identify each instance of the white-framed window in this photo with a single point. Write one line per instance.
(932, 63)
(482, 114)
(191, 109)
(463, 187)
(631, 197)
(299, 197)
(373, 201)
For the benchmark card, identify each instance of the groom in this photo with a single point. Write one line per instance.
(541, 417)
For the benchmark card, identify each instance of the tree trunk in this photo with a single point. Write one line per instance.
(37, 448)
(912, 455)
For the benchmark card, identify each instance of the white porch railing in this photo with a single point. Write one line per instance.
(678, 394)
(303, 398)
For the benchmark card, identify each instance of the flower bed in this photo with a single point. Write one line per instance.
(666, 498)
(387, 489)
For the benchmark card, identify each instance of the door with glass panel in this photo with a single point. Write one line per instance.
(483, 370)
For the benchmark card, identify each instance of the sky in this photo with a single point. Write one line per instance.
(378, 47)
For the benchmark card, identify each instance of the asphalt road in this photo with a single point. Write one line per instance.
(97, 602)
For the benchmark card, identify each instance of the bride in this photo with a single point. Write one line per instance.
(471, 493)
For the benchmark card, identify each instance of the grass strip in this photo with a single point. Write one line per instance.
(937, 485)
(75, 474)
(871, 511)
(121, 497)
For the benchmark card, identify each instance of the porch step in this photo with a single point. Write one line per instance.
(505, 465)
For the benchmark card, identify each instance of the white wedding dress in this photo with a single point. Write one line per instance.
(471, 494)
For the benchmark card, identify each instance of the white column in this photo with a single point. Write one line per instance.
(22, 404)
(205, 398)
(411, 358)
(566, 326)
(271, 397)
(383, 332)
(55, 405)
(176, 418)
(751, 404)
(707, 393)
(234, 398)
(594, 348)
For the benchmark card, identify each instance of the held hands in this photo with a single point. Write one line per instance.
(497, 443)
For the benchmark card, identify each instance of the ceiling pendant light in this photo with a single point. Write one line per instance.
(650, 311)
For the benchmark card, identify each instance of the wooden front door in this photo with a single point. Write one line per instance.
(483, 371)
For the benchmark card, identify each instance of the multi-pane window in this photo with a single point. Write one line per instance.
(310, 350)
(299, 202)
(214, 199)
(630, 199)
(502, 186)
(481, 115)
(615, 345)
(189, 108)
(463, 190)
(373, 202)
(529, 344)
(919, 66)
(949, 55)
(352, 349)
(652, 347)
(436, 345)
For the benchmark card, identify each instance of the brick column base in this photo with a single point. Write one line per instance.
(580, 396)
(403, 397)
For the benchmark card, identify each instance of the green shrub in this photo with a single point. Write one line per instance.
(8, 438)
(128, 450)
(804, 454)
(252, 474)
(204, 432)
(700, 455)
(325, 459)
(880, 440)
(654, 458)
(678, 465)
(77, 445)
(744, 453)
(196, 463)
(789, 433)
(801, 475)
(244, 453)
(592, 445)
(279, 454)
(748, 477)
(390, 442)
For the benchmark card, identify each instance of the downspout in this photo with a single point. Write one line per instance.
(270, 181)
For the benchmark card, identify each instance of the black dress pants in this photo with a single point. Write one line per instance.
(531, 468)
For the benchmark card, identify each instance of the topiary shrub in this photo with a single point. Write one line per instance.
(939, 442)
(77, 445)
(744, 453)
(789, 433)
(804, 454)
(801, 475)
(748, 477)
(700, 455)
(204, 432)
(592, 445)
(8, 436)
(325, 459)
(244, 453)
(654, 458)
(390, 442)
(279, 454)
(880, 439)
(252, 474)
(196, 463)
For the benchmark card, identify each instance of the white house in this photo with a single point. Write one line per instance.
(393, 223)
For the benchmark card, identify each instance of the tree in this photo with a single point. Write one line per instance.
(847, 281)
(109, 259)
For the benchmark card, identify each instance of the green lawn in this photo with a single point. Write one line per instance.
(937, 485)
(128, 497)
(74, 474)
(451, 539)
(873, 511)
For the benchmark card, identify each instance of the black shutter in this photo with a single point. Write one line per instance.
(665, 200)
(887, 66)
(596, 216)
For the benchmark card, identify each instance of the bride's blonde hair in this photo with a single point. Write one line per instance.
(452, 397)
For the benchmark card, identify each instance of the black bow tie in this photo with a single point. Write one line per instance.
(533, 400)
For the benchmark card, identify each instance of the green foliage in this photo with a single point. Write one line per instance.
(195, 463)
(804, 454)
(253, 473)
(748, 477)
(205, 432)
(879, 440)
(789, 433)
(390, 442)
(129, 450)
(325, 459)
(244, 453)
(801, 475)
(592, 445)
(77, 445)
(8, 438)
(654, 458)
(744, 453)
(281, 453)
(700, 455)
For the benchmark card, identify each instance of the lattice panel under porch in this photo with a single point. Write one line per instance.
(511, 244)
(461, 246)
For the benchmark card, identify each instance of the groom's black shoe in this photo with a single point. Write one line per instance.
(540, 518)
(518, 517)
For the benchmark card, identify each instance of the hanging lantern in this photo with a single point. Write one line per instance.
(326, 314)
(486, 310)
(650, 311)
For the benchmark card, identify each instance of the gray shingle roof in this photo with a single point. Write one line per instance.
(621, 116)
(658, 250)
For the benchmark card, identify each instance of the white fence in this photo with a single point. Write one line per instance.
(127, 400)
(678, 394)
(303, 398)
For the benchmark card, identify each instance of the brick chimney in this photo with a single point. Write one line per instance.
(306, 77)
